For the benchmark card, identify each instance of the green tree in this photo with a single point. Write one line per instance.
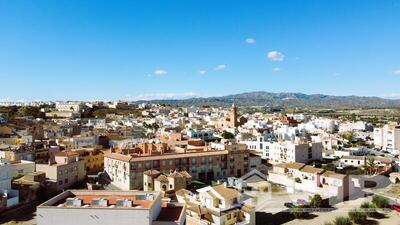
(316, 201)
(227, 135)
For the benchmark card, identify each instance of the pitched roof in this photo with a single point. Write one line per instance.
(226, 193)
(186, 174)
(175, 174)
(311, 169)
(162, 178)
(182, 192)
(152, 173)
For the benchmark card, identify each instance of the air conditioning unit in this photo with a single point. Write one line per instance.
(73, 202)
(123, 203)
(100, 202)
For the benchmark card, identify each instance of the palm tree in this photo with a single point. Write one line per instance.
(370, 166)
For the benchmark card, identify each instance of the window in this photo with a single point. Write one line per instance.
(60, 182)
(66, 180)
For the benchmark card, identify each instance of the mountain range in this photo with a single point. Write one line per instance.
(286, 100)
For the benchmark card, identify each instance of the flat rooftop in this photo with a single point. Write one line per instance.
(103, 199)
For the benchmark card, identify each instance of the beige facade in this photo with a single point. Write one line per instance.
(65, 172)
(126, 171)
(93, 158)
(153, 180)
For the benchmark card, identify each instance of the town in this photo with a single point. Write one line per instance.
(77, 162)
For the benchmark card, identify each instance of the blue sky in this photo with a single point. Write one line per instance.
(86, 50)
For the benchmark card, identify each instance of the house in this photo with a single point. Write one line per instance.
(153, 180)
(301, 177)
(252, 180)
(217, 205)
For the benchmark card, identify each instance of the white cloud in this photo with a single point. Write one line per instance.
(202, 72)
(275, 56)
(160, 72)
(396, 72)
(220, 67)
(250, 40)
(391, 96)
(162, 96)
(276, 69)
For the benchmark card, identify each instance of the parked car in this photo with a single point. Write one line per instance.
(396, 207)
(289, 204)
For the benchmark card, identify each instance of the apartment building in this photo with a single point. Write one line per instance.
(69, 106)
(126, 170)
(93, 158)
(388, 137)
(216, 205)
(65, 171)
(292, 151)
(74, 207)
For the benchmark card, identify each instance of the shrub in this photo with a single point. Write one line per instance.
(316, 201)
(298, 212)
(370, 209)
(380, 201)
(358, 216)
(341, 220)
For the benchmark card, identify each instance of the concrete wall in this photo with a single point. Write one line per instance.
(20, 169)
(91, 216)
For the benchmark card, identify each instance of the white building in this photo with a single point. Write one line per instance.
(202, 134)
(293, 151)
(69, 106)
(217, 205)
(353, 126)
(109, 207)
(388, 137)
(11, 196)
(21, 167)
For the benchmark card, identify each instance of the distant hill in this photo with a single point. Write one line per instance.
(287, 100)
